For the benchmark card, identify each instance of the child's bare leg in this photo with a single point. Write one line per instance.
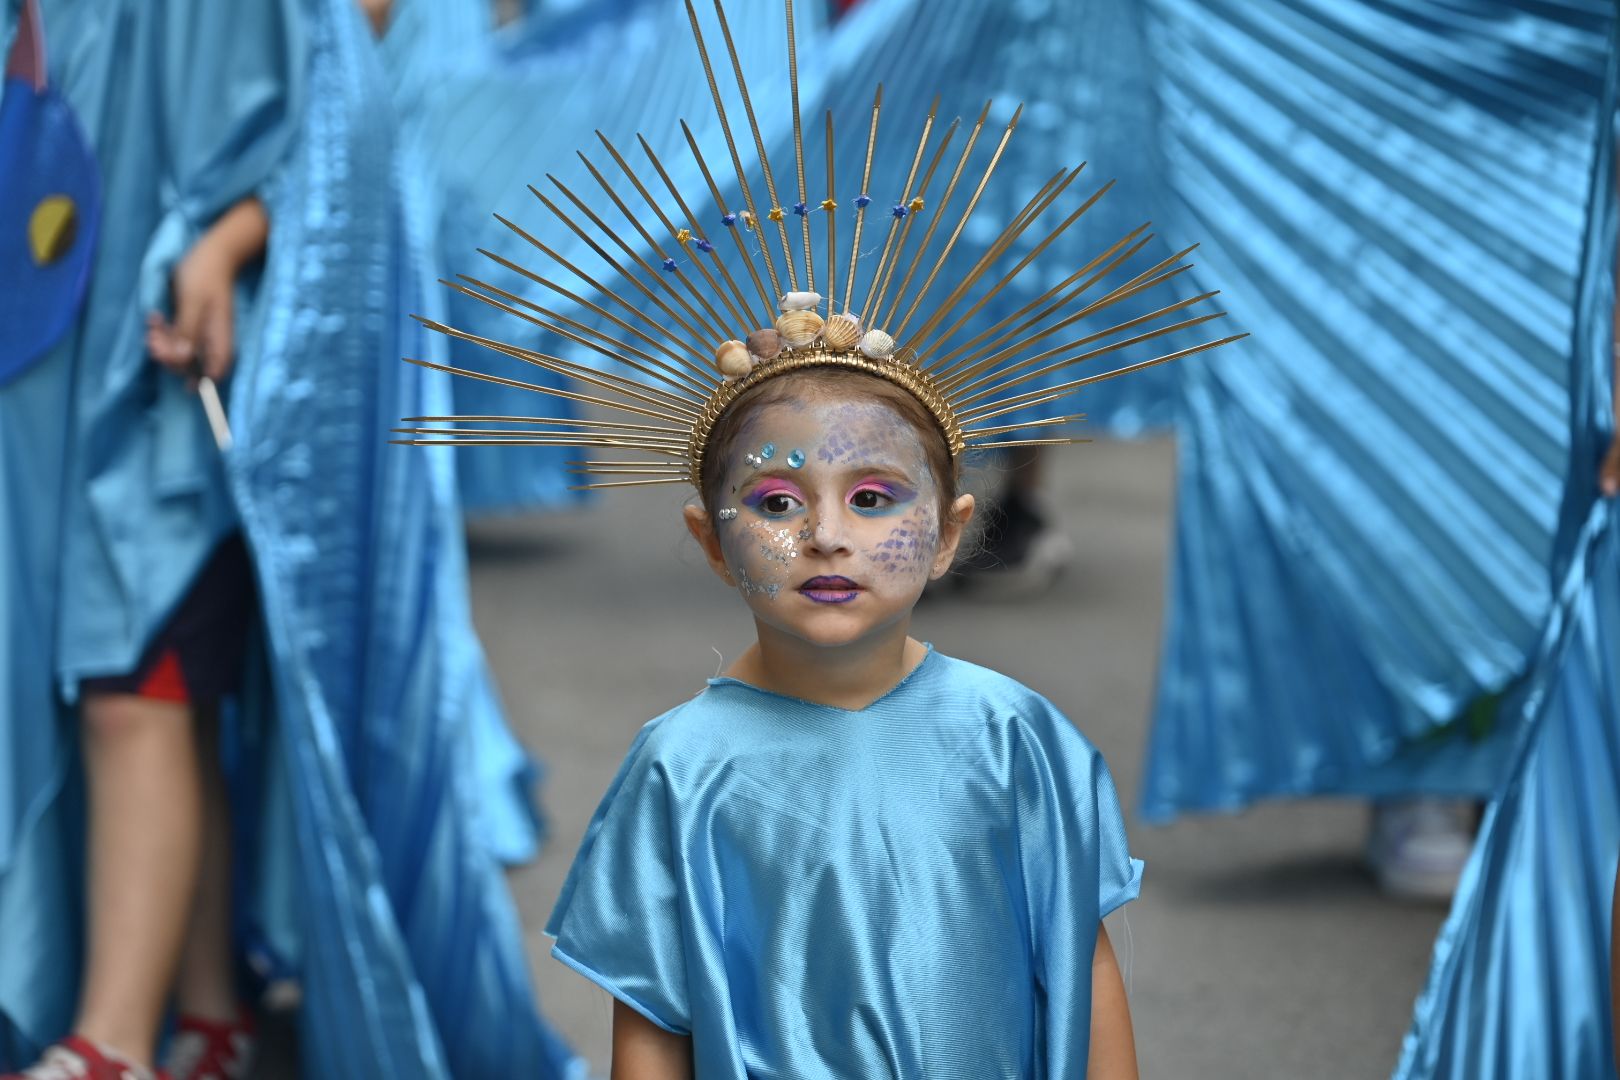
(206, 988)
(145, 837)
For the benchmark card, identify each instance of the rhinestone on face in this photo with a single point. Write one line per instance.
(767, 451)
(728, 514)
(796, 459)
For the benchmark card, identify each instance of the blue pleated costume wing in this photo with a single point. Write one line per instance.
(908, 890)
(1520, 981)
(1393, 199)
(392, 788)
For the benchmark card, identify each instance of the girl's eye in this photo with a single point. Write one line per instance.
(870, 499)
(779, 502)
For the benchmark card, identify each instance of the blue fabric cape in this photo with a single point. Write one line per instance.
(1520, 982)
(390, 787)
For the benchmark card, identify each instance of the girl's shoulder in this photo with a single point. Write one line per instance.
(1004, 701)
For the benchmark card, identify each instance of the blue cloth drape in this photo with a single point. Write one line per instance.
(391, 790)
(1520, 981)
(1393, 199)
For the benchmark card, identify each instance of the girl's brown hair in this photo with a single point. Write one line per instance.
(828, 382)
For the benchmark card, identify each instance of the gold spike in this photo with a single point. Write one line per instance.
(700, 367)
(719, 321)
(1041, 397)
(1051, 421)
(1002, 376)
(736, 231)
(700, 379)
(630, 483)
(865, 192)
(915, 204)
(933, 224)
(832, 221)
(798, 148)
(954, 365)
(624, 384)
(629, 388)
(553, 391)
(709, 336)
(741, 307)
(592, 464)
(731, 144)
(999, 383)
(775, 213)
(620, 355)
(894, 223)
(568, 421)
(993, 444)
(988, 356)
(1037, 205)
(556, 438)
(967, 213)
(678, 377)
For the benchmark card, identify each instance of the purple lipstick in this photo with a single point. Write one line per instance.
(830, 590)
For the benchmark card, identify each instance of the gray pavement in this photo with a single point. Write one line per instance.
(1259, 947)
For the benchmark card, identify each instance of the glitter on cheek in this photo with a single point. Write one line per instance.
(749, 587)
(776, 545)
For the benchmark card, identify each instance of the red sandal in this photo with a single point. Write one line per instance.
(76, 1058)
(211, 1049)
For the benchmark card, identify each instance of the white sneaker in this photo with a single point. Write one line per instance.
(1417, 848)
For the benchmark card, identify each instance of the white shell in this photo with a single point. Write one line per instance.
(801, 301)
(731, 359)
(841, 333)
(877, 345)
(799, 328)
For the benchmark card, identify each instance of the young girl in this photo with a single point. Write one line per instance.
(851, 856)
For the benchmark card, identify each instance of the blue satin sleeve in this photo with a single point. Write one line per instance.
(626, 934)
(1077, 868)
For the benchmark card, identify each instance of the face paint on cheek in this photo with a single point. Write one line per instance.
(775, 545)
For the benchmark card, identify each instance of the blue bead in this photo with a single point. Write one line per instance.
(801, 208)
(863, 201)
(899, 211)
(768, 451)
(729, 221)
(671, 265)
(796, 459)
(704, 246)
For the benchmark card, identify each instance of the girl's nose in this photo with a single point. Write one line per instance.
(827, 534)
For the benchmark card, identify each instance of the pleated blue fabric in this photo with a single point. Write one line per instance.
(1393, 199)
(1520, 981)
(390, 787)
(910, 889)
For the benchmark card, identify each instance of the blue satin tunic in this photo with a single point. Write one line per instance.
(912, 889)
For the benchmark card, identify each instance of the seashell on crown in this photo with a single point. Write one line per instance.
(808, 341)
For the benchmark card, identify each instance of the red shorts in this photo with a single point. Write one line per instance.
(197, 657)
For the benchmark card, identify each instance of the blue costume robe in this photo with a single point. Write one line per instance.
(1394, 201)
(1520, 981)
(911, 889)
(389, 788)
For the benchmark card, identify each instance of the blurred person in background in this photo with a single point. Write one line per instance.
(193, 607)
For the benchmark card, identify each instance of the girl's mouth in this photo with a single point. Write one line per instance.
(830, 590)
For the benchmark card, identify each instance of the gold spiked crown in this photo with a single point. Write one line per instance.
(685, 361)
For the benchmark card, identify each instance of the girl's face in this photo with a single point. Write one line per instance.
(829, 523)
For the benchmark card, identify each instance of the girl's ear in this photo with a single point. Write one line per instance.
(950, 534)
(701, 527)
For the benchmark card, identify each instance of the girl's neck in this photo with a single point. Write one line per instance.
(844, 677)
